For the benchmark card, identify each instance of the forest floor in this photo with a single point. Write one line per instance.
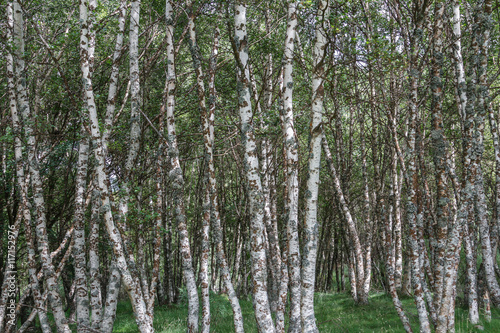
(334, 313)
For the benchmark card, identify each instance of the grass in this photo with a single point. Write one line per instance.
(334, 313)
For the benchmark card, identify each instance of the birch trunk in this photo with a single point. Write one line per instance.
(482, 102)
(133, 150)
(315, 135)
(80, 263)
(111, 303)
(133, 289)
(208, 141)
(496, 144)
(113, 79)
(273, 257)
(292, 163)
(458, 60)
(177, 178)
(254, 186)
(36, 181)
(135, 105)
(467, 195)
(369, 226)
(471, 264)
(351, 227)
(271, 244)
(215, 215)
(391, 265)
(440, 154)
(16, 126)
(396, 183)
(283, 268)
(105, 320)
(82, 297)
(96, 310)
(23, 182)
(168, 277)
(154, 287)
(461, 97)
(451, 258)
(412, 207)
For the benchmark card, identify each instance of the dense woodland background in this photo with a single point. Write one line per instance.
(263, 149)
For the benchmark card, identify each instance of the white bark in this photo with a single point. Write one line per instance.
(133, 289)
(215, 215)
(457, 56)
(311, 195)
(351, 227)
(482, 100)
(412, 207)
(153, 288)
(292, 164)
(112, 291)
(36, 181)
(106, 319)
(17, 152)
(254, 186)
(82, 297)
(135, 105)
(461, 103)
(468, 192)
(94, 281)
(113, 80)
(178, 179)
(390, 246)
(208, 140)
(440, 145)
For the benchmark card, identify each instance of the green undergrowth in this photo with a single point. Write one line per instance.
(334, 313)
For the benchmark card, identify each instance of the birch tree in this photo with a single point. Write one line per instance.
(205, 234)
(133, 289)
(82, 297)
(22, 180)
(309, 252)
(481, 50)
(109, 310)
(33, 166)
(440, 152)
(291, 146)
(420, 11)
(253, 181)
(177, 178)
